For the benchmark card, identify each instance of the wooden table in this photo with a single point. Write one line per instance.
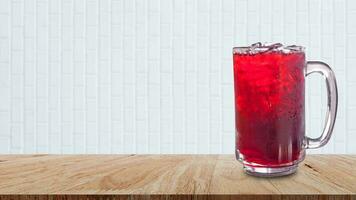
(169, 177)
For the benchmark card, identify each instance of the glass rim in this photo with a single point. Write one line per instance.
(266, 47)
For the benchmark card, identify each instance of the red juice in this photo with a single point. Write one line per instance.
(269, 103)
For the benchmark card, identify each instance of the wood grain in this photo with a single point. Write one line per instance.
(169, 177)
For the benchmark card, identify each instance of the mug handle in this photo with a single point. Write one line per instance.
(325, 71)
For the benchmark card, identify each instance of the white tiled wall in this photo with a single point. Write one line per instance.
(155, 76)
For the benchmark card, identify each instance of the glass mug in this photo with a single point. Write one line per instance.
(269, 107)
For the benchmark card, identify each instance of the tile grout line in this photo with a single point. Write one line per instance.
(196, 149)
(60, 79)
(48, 73)
(147, 81)
(23, 82)
(346, 76)
(209, 77)
(110, 79)
(35, 79)
(333, 64)
(322, 57)
(220, 76)
(73, 111)
(98, 148)
(172, 79)
(184, 147)
(85, 78)
(160, 86)
(185, 84)
(123, 76)
(135, 81)
(10, 78)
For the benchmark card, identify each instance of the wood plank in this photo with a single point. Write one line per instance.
(169, 177)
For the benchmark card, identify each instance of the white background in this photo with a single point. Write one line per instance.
(150, 76)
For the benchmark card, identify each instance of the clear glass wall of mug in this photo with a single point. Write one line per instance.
(270, 107)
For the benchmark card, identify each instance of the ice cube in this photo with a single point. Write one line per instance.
(295, 48)
(258, 47)
(257, 44)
